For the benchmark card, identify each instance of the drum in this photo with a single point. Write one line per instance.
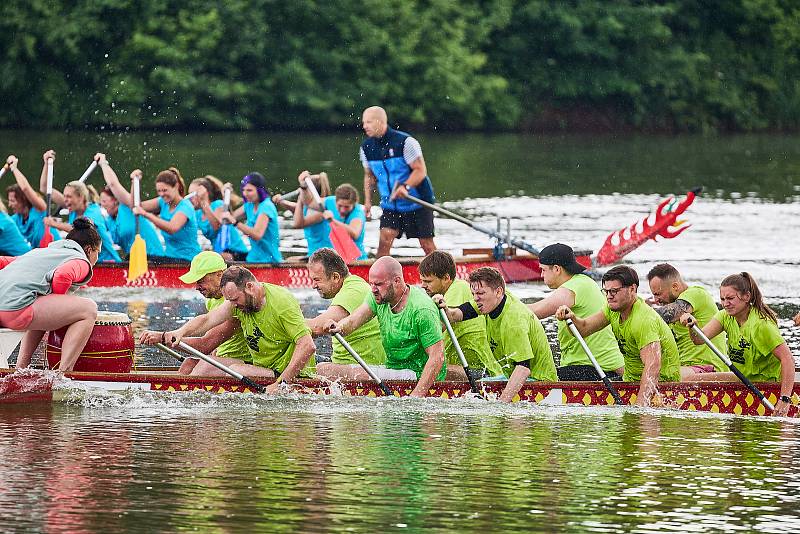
(109, 348)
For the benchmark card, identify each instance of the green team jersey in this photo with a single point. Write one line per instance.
(471, 335)
(588, 301)
(272, 332)
(516, 335)
(642, 327)
(366, 339)
(406, 334)
(704, 308)
(750, 345)
(236, 346)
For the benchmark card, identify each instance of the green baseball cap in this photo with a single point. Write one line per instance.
(204, 263)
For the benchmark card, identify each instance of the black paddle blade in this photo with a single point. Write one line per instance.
(385, 389)
(611, 389)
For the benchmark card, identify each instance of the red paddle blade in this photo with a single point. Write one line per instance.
(47, 237)
(663, 222)
(343, 244)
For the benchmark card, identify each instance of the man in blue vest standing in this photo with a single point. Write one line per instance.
(393, 161)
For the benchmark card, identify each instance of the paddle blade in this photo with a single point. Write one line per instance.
(47, 237)
(137, 261)
(343, 244)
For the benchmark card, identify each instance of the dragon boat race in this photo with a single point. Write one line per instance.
(509, 266)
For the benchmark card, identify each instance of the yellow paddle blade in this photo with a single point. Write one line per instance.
(137, 261)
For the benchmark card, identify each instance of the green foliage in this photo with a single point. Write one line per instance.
(478, 64)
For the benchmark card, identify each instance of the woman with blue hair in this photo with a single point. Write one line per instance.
(261, 224)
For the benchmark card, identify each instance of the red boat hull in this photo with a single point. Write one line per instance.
(521, 268)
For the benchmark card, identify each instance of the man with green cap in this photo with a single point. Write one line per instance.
(205, 272)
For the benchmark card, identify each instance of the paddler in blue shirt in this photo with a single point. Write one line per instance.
(175, 216)
(316, 228)
(121, 221)
(81, 201)
(261, 225)
(28, 208)
(208, 210)
(12, 243)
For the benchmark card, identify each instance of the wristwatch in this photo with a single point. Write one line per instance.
(785, 398)
(408, 187)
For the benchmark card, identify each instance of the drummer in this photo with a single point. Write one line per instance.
(34, 287)
(205, 273)
(81, 201)
(121, 221)
(175, 216)
(27, 206)
(261, 225)
(277, 336)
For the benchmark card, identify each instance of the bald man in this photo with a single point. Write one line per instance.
(409, 323)
(393, 162)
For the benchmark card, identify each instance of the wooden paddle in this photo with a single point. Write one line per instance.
(340, 239)
(222, 367)
(472, 384)
(340, 338)
(609, 386)
(47, 237)
(137, 259)
(757, 392)
(500, 237)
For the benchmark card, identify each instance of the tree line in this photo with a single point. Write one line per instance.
(580, 65)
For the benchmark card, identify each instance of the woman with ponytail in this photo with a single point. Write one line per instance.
(35, 292)
(81, 201)
(261, 224)
(208, 209)
(172, 214)
(755, 346)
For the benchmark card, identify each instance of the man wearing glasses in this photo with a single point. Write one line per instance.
(645, 340)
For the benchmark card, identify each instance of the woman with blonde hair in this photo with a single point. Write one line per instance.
(172, 214)
(81, 201)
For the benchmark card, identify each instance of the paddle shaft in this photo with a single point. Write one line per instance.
(222, 367)
(757, 392)
(49, 193)
(472, 384)
(500, 237)
(315, 193)
(92, 166)
(3, 170)
(171, 352)
(609, 386)
(137, 198)
(340, 338)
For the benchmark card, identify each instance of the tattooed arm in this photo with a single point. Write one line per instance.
(672, 312)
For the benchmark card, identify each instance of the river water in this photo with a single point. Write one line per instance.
(148, 462)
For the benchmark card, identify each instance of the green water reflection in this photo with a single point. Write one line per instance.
(154, 463)
(461, 165)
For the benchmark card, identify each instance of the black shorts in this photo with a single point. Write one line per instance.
(417, 223)
(583, 373)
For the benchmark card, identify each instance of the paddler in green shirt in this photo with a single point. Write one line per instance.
(276, 333)
(675, 298)
(437, 273)
(409, 323)
(332, 280)
(562, 273)
(515, 335)
(755, 345)
(644, 338)
(205, 273)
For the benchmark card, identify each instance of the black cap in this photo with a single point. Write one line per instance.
(561, 254)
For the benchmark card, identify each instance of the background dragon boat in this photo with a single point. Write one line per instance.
(717, 397)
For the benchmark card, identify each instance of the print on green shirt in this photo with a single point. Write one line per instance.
(750, 345)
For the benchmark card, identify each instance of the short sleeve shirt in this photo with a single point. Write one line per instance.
(408, 333)
(266, 249)
(182, 245)
(750, 345)
(471, 334)
(704, 308)
(236, 345)
(273, 331)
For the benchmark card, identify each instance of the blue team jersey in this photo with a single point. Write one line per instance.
(317, 235)
(357, 213)
(182, 245)
(32, 228)
(12, 242)
(123, 231)
(264, 250)
(235, 242)
(107, 253)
